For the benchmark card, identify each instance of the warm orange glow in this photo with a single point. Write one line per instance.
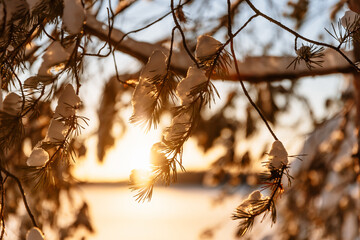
(140, 176)
(130, 152)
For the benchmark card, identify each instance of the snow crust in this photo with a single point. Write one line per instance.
(349, 19)
(206, 46)
(54, 55)
(255, 195)
(56, 132)
(34, 234)
(194, 77)
(246, 205)
(38, 157)
(68, 103)
(12, 104)
(145, 92)
(278, 155)
(73, 16)
(180, 125)
(143, 100)
(156, 65)
(157, 157)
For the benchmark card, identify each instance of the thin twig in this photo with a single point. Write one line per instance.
(150, 24)
(111, 26)
(18, 182)
(182, 34)
(225, 18)
(20, 84)
(231, 37)
(257, 11)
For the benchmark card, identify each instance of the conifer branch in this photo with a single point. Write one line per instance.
(182, 34)
(231, 37)
(337, 49)
(19, 184)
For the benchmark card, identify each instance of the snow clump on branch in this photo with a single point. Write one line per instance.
(195, 77)
(248, 204)
(54, 55)
(67, 103)
(146, 93)
(350, 20)
(56, 131)
(212, 56)
(73, 16)
(157, 156)
(12, 104)
(206, 47)
(34, 234)
(38, 157)
(59, 127)
(180, 125)
(278, 155)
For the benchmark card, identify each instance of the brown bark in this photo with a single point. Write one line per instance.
(252, 69)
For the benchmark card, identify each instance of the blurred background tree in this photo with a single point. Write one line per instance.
(168, 66)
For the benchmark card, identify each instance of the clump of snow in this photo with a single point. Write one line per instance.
(206, 46)
(38, 157)
(349, 20)
(68, 103)
(12, 104)
(246, 205)
(180, 125)
(54, 55)
(56, 132)
(255, 195)
(142, 100)
(73, 16)
(194, 77)
(278, 155)
(156, 66)
(35, 234)
(145, 93)
(157, 157)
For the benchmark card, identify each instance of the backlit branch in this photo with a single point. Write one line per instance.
(18, 182)
(252, 69)
(297, 35)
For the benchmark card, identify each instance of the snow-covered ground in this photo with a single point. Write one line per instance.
(176, 213)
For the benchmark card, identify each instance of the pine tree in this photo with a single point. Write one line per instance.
(178, 75)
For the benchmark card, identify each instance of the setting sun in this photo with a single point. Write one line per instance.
(188, 119)
(125, 156)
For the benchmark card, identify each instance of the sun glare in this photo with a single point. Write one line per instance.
(130, 152)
